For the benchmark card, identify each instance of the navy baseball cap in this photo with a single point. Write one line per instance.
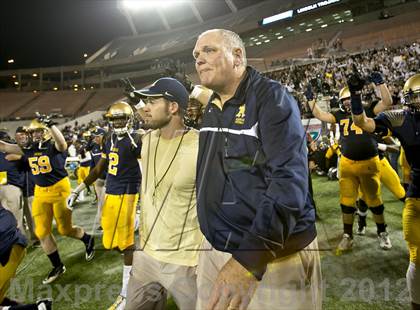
(168, 88)
(21, 129)
(98, 132)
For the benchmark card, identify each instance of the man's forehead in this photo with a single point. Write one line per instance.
(209, 39)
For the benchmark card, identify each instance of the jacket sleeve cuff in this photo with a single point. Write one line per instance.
(254, 255)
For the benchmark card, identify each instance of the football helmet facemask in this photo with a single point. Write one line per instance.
(120, 117)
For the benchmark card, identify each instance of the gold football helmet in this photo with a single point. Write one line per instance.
(411, 92)
(120, 117)
(86, 135)
(38, 132)
(344, 95)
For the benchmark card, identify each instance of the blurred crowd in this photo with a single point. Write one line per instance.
(328, 76)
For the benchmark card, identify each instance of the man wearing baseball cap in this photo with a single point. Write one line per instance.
(169, 230)
(168, 88)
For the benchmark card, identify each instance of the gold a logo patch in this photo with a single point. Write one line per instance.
(240, 116)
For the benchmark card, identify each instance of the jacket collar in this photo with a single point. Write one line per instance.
(242, 90)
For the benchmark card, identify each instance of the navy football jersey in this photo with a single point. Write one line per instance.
(123, 167)
(406, 127)
(47, 163)
(96, 152)
(355, 143)
(369, 113)
(12, 171)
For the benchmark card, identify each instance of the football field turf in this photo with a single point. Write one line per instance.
(365, 278)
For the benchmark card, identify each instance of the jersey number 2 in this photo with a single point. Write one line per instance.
(113, 163)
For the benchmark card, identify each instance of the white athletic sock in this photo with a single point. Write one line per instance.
(126, 277)
(413, 283)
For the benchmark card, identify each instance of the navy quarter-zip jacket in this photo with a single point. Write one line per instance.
(252, 175)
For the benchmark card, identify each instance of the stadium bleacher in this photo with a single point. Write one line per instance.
(67, 103)
(12, 102)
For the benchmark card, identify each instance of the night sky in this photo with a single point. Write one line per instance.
(45, 33)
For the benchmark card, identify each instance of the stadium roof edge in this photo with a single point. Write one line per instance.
(266, 4)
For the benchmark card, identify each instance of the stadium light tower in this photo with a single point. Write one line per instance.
(150, 4)
(128, 7)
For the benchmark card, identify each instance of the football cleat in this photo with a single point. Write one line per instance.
(384, 241)
(90, 249)
(44, 304)
(361, 230)
(54, 274)
(119, 303)
(346, 243)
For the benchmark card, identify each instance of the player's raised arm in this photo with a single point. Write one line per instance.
(60, 142)
(355, 83)
(386, 100)
(316, 110)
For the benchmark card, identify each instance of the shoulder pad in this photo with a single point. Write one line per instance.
(395, 117)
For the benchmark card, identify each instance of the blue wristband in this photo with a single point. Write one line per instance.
(356, 104)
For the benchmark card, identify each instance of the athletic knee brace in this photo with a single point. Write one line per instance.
(378, 210)
(363, 207)
(347, 209)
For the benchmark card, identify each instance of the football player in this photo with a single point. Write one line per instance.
(405, 125)
(46, 157)
(389, 177)
(84, 167)
(359, 163)
(120, 160)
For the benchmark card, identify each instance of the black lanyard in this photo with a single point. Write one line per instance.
(170, 164)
